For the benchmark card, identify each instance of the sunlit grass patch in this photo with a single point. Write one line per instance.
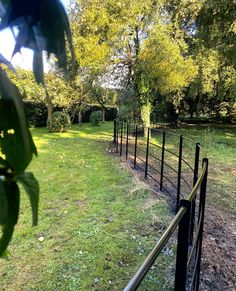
(93, 230)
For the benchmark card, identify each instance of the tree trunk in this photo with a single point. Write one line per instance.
(103, 113)
(145, 116)
(79, 118)
(50, 110)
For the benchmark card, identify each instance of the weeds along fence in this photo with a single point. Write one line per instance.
(171, 163)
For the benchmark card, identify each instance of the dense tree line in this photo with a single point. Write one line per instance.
(166, 59)
(172, 57)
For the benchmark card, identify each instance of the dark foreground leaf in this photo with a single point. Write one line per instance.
(13, 202)
(3, 203)
(31, 187)
(16, 142)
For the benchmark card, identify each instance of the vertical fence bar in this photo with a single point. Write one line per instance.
(196, 163)
(162, 159)
(121, 138)
(147, 152)
(117, 135)
(195, 177)
(114, 132)
(135, 145)
(182, 248)
(179, 173)
(202, 210)
(127, 141)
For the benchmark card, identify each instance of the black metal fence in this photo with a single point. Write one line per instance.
(171, 162)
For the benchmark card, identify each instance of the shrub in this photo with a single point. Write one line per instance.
(110, 113)
(60, 122)
(36, 113)
(96, 117)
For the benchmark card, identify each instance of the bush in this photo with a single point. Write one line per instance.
(60, 122)
(96, 117)
(110, 113)
(36, 113)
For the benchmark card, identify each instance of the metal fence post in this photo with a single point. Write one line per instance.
(121, 138)
(147, 152)
(135, 145)
(182, 248)
(117, 135)
(162, 159)
(196, 163)
(201, 214)
(127, 141)
(195, 177)
(179, 173)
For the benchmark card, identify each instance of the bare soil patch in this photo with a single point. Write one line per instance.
(219, 251)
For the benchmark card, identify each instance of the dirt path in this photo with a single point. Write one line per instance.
(219, 251)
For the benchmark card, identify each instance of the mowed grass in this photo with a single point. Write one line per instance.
(96, 221)
(219, 143)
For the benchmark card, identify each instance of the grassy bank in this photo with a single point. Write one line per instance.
(96, 225)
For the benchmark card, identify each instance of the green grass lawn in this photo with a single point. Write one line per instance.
(96, 221)
(219, 143)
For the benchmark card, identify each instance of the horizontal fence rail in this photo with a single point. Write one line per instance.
(172, 162)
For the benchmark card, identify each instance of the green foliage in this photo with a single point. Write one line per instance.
(16, 142)
(166, 111)
(60, 122)
(96, 117)
(125, 113)
(165, 63)
(216, 28)
(16, 150)
(31, 187)
(169, 48)
(146, 110)
(209, 28)
(134, 49)
(36, 113)
(41, 26)
(110, 112)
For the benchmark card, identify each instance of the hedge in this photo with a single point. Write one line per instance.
(36, 113)
(110, 113)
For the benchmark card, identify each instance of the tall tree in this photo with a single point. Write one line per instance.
(111, 38)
